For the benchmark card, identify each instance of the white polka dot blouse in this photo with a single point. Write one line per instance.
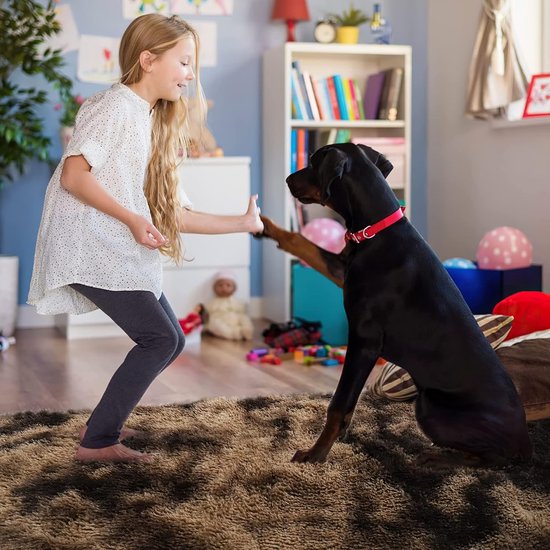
(77, 243)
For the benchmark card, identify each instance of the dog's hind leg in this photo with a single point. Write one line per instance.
(357, 366)
(484, 436)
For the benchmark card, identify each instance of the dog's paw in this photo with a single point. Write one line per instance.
(311, 455)
(271, 229)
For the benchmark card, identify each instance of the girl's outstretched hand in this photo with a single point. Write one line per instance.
(145, 233)
(253, 221)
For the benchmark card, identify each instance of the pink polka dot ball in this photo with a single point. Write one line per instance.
(325, 233)
(504, 248)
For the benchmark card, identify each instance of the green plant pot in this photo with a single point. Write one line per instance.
(347, 35)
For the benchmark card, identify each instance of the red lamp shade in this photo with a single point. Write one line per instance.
(291, 11)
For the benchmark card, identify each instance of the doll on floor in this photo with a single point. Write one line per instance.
(226, 315)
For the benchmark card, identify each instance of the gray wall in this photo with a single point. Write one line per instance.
(480, 177)
(235, 87)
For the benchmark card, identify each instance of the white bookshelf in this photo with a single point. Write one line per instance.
(321, 60)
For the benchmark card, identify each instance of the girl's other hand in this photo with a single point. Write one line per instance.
(145, 233)
(253, 220)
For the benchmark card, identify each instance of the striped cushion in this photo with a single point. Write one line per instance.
(495, 327)
(395, 383)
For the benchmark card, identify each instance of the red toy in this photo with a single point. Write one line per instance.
(194, 320)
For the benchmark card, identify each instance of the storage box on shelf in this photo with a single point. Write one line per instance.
(356, 62)
(216, 185)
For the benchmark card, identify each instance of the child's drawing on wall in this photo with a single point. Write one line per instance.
(98, 59)
(134, 8)
(202, 7)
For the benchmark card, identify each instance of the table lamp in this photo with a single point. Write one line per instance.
(291, 11)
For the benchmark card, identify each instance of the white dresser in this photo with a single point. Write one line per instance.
(214, 185)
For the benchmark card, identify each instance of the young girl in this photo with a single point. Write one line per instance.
(112, 207)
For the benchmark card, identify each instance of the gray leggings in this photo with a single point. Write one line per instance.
(152, 325)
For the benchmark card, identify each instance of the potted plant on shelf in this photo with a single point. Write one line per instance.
(348, 23)
(25, 26)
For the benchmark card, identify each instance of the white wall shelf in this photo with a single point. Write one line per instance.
(347, 123)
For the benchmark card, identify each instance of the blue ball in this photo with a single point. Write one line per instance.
(461, 263)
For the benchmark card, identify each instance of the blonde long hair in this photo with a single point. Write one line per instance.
(170, 130)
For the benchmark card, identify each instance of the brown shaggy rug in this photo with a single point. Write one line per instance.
(223, 480)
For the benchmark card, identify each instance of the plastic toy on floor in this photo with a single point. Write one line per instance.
(226, 314)
(193, 320)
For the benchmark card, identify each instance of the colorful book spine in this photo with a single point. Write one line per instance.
(297, 112)
(324, 85)
(333, 98)
(359, 100)
(293, 150)
(373, 94)
(301, 149)
(353, 99)
(341, 96)
(320, 98)
(348, 100)
(311, 96)
(302, 87)
(300, 102)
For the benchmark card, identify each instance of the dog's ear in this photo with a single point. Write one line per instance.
(378, 159)
(330, 169)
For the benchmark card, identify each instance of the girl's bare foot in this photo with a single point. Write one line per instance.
(125, 433)
(114, 453)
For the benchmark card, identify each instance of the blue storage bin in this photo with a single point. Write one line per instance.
(316, 298)
(484, 288)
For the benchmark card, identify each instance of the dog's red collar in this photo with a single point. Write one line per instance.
(371, 230)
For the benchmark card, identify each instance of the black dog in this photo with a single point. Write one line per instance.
(402, 305)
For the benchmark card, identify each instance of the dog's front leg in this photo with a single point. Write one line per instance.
(357, 367)
(328, 264)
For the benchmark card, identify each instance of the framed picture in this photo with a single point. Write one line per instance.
(538, 96)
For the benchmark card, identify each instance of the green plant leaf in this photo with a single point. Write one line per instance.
(25, 25)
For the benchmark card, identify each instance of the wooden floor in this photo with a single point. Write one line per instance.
(45, 371)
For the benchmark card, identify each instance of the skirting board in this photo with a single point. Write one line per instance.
(28, 318)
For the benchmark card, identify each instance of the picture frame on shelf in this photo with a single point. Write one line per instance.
(537, 102)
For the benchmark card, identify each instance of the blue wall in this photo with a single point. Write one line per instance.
(235, 87)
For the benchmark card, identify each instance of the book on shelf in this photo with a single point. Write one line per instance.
(311, 96)
(333, 98)
(341, 97)
(389, 102)
(301, 152)
(323, 82)
(373, 94)
(293, 150)
(353, 99)
(301, 89)
(359, 100)
(299, 106)
(348, 100)
(321, 98)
